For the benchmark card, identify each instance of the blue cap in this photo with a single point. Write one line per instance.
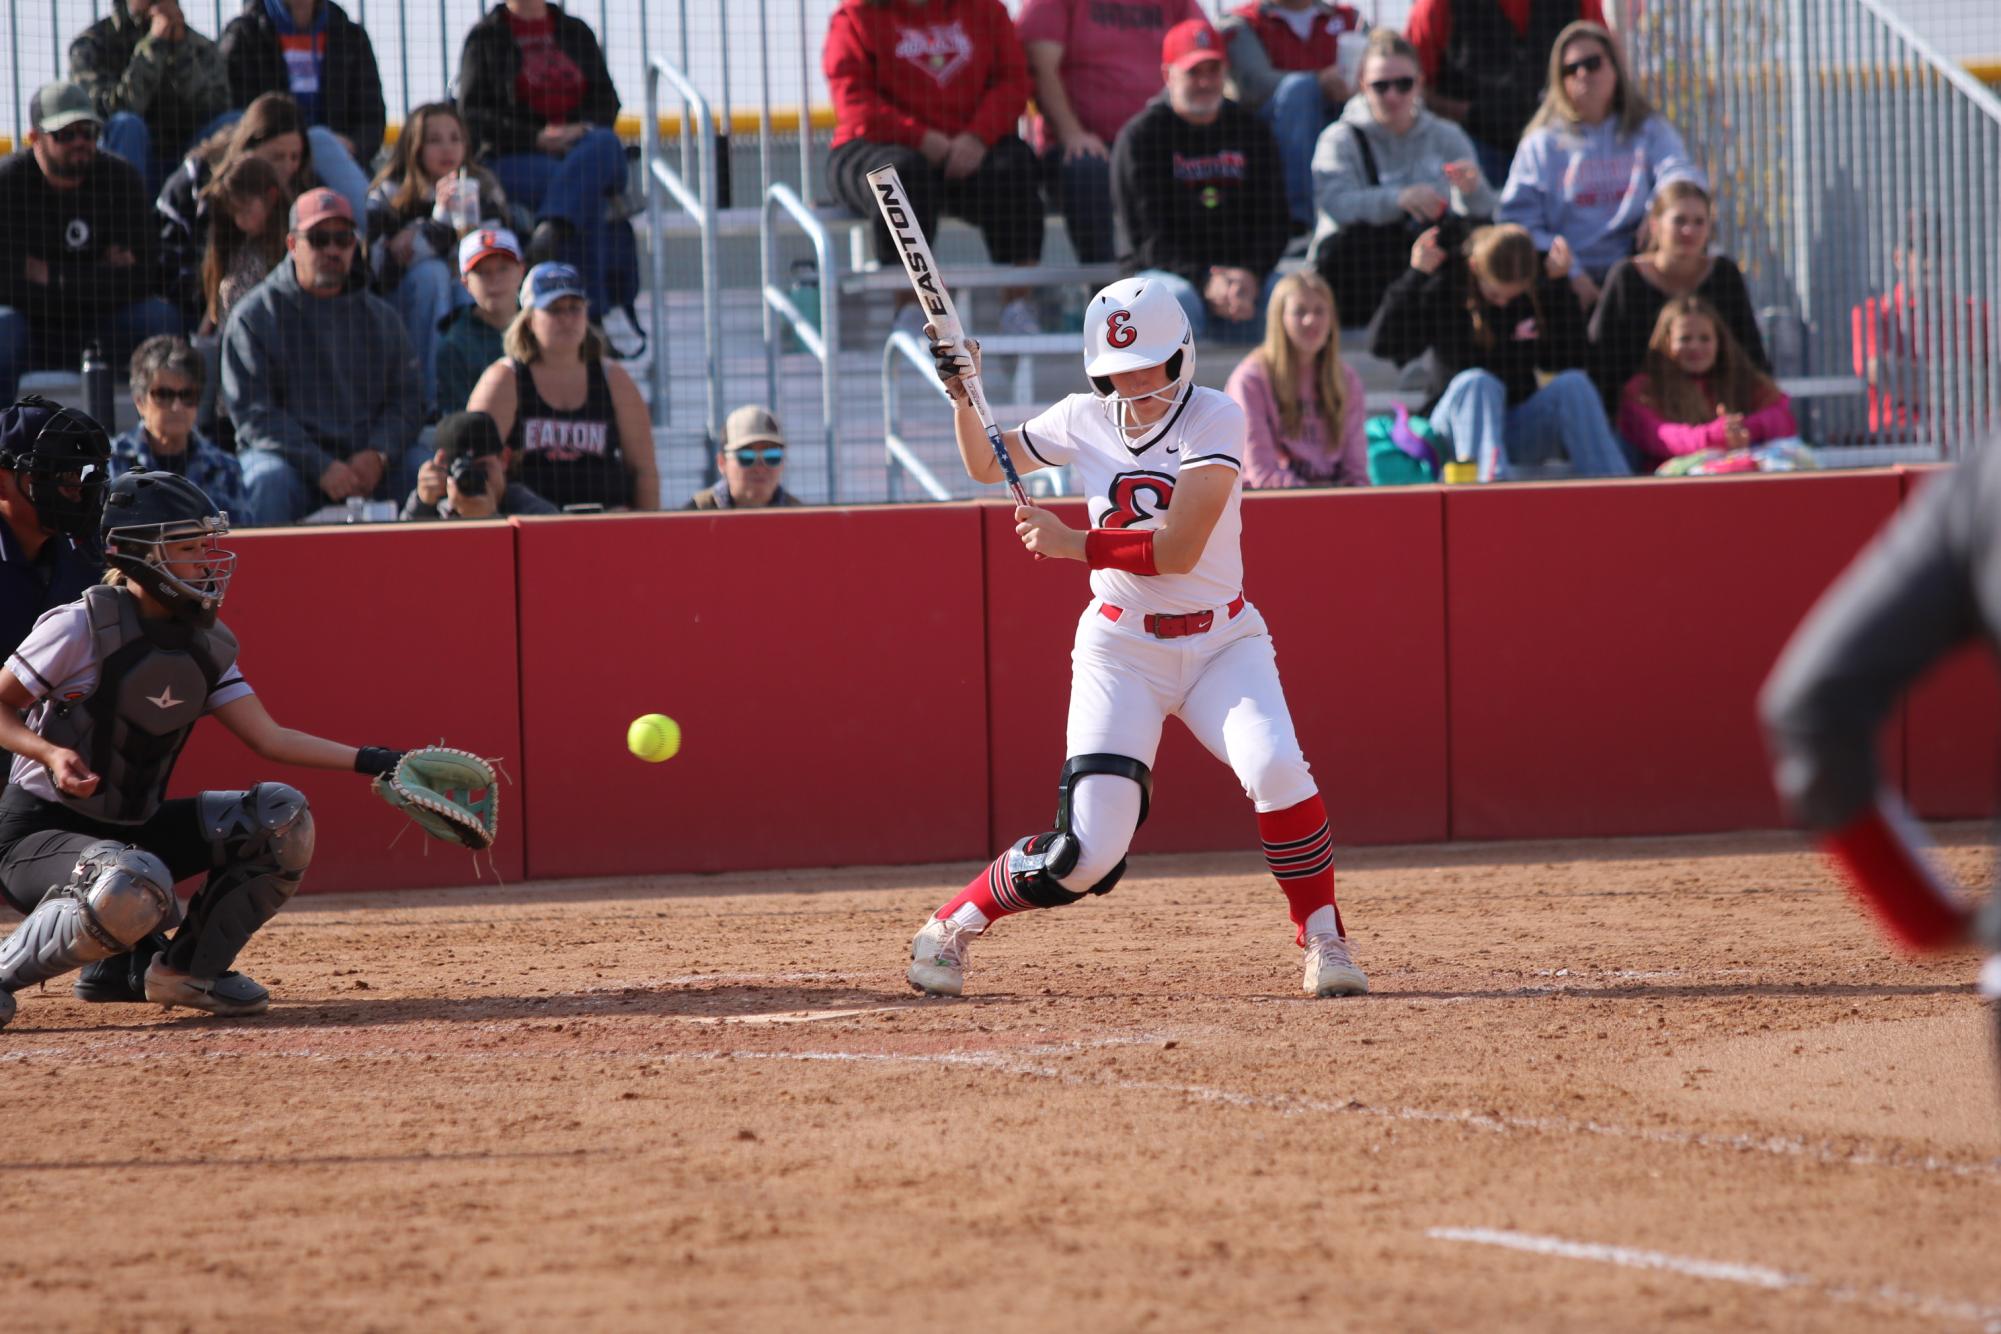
(549, 282)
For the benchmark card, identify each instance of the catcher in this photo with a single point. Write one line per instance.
(112, 685)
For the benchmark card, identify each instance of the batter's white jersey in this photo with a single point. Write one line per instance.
(1128, 482)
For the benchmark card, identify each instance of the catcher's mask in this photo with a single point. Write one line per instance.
(145, 513)
(60, 458)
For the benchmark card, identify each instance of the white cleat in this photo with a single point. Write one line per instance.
(1330, 971)
(938, 957)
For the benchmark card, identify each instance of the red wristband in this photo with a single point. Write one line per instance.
(1119, 549)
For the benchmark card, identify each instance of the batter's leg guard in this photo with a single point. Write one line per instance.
(264, 841)
(116, 895)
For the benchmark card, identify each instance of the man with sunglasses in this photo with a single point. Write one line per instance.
(319, 377)
(76, 245)
(752, 462)
(167, 375)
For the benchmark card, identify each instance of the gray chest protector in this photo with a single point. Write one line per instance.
(154, 677)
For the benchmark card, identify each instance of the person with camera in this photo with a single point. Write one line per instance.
(467, 477)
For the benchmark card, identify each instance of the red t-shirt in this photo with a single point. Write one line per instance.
(1111, 55)
(954, 66)
(549, 82)
(1429, 26)
(1291, 52)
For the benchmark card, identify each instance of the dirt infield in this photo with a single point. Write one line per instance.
(1639, 1085)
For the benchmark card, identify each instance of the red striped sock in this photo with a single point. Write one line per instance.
(991, 892)
(1299, 848)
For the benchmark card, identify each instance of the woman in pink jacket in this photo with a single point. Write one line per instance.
(1699, 390)
(1304, 406)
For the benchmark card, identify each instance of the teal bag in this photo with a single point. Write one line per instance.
(1403, 450)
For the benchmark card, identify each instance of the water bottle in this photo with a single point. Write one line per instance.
(805, 294)
(465, 203)
(97, 387)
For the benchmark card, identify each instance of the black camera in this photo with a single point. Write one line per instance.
(468, 474)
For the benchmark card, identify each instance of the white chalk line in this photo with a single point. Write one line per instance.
(1726, 1271)
(1286, 1104)
(1011, 1062)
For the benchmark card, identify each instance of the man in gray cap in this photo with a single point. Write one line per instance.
(76, 246)
(752, 462)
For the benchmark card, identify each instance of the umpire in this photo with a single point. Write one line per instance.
(53, 465)
(1930, 582)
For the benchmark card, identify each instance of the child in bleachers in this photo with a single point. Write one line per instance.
(1700, 395)
(247, 204)
(273, 129)
(1303, 405)
(1676, 263)
(413, 243)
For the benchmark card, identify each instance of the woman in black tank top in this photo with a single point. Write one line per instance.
(577, 427)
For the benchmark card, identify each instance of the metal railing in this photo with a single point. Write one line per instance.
(699, 203)
(822, 337)
(1857, 175)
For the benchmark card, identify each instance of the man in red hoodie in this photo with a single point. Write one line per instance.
(935, 89)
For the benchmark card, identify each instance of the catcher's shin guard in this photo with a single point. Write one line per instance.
(264, 838)
(116, 894)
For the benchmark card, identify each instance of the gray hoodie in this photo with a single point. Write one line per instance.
(316, 379)
(1341, 190)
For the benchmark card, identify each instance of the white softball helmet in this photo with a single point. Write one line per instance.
(1131, 325)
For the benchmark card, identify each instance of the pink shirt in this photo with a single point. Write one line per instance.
(1658, 438)
(1111, 55)
(1311, 456)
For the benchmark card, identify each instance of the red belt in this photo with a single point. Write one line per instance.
(1174, 627)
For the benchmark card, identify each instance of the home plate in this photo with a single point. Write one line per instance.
(791, 1016)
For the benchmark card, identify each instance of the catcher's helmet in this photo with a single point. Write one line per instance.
(144, 514)
(60, 457)
(1131, 325)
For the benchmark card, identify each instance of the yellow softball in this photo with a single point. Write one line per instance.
(654, 737)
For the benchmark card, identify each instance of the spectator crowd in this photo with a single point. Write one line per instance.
(312, 320)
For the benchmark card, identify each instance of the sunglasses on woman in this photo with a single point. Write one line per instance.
(1384, 87)
(770, 456)
(166, 398)
(1588, 65)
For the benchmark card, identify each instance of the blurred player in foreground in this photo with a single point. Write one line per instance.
(1167, 631)
(1930, 582)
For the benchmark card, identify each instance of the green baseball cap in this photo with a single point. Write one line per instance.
(59, 105)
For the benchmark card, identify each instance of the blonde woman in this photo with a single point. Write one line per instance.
(1592, 159)
(573, 419)
(1303, 404)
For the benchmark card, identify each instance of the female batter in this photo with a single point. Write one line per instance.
(112, 684)
(1168, 631)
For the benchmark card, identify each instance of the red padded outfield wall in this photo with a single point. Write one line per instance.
(827, 666)
(398, 635)
(888, 685)
(1607, 643)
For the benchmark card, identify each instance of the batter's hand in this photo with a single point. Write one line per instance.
(954, 360)
(72, 775)
(1046, 535)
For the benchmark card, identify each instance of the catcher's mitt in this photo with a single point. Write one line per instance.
(450, 793)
